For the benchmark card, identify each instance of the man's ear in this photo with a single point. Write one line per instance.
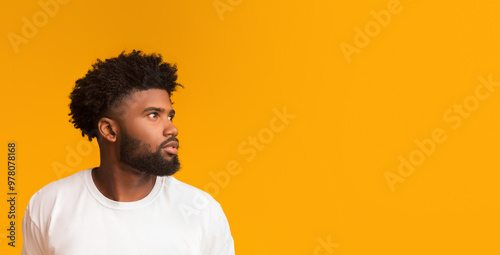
(108, 129)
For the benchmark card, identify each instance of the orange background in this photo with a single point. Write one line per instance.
(317, 184)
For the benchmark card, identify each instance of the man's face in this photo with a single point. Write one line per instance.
(148, 140)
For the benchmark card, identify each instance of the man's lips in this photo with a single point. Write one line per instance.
(171, 147)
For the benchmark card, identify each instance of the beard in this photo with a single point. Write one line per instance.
(136, 154)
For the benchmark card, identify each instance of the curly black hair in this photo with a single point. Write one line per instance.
(110, 81)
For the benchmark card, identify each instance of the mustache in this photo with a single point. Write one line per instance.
(164, 143)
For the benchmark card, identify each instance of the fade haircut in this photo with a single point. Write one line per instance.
(110, 81)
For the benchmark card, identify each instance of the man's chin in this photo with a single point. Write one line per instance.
(165, 172)
(165, 168)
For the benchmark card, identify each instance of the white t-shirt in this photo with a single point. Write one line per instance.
(71, 217)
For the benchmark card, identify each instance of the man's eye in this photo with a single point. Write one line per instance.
(153, 115)
(170, 118)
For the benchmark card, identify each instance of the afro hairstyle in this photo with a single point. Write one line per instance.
(109, 82)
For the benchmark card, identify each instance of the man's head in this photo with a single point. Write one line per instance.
(125, 103)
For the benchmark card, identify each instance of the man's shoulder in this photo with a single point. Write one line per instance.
(52, 195)
(69, 182)
(189, 194)
(174, 182)
(63, 187)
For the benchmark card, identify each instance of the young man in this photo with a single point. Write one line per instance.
(130, 204)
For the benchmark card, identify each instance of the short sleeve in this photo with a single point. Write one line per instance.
(220, 238)
(33, 238)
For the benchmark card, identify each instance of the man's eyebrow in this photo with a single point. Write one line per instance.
(157, 109)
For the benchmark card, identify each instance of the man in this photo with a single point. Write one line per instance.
(130, 204)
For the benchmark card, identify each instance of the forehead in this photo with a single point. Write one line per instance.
(137, 101)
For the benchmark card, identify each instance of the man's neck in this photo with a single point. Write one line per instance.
(122, 185)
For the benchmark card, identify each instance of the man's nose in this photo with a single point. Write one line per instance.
(170, 129)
